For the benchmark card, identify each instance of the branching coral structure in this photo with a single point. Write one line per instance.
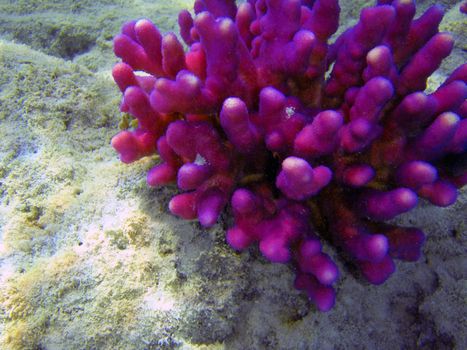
(299, 139)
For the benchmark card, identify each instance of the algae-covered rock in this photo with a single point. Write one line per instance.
(79, 30)
(91, 259)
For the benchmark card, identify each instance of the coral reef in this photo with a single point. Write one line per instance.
(90, 257)
(302, 138)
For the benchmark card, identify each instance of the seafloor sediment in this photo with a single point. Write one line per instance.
(90, 258)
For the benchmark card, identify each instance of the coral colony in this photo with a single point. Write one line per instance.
(296, 137)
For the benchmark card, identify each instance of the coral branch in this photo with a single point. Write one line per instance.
(300, 138)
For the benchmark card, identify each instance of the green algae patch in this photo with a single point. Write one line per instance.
(31, 299)
(70, 283)
(455, 23)
(56, 116)
(79, 30)
(93, 295)
(49, 97)
(134, 232)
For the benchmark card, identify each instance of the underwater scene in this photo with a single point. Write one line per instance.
(221, 174)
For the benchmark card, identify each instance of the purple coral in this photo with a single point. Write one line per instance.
(250, 116)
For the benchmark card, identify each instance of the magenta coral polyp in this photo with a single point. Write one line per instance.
(299, 138)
